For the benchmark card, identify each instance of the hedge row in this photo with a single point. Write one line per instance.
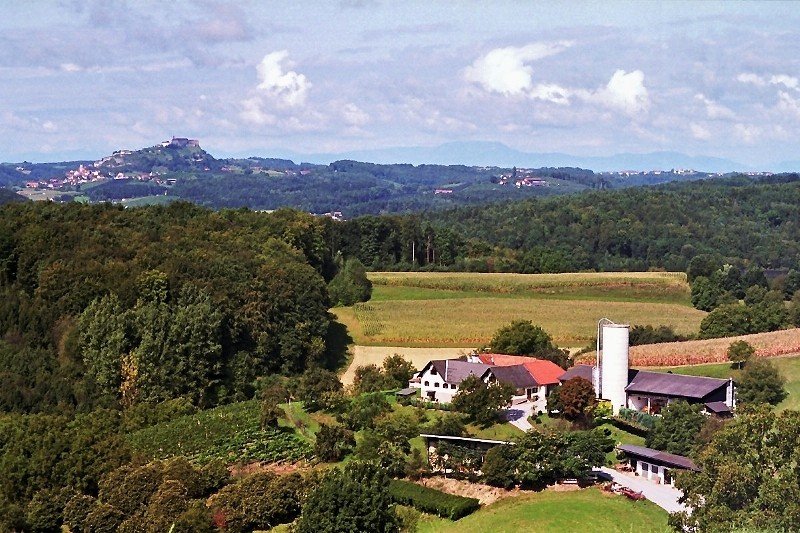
(431, 500)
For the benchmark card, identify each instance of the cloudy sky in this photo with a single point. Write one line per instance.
(82, 78)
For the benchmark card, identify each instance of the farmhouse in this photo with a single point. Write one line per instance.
(531, 378)
(643, 390)
(655, 465)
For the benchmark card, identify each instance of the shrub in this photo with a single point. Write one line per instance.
(333, 443)
(643, 419)
(355, 498)
(259, 501)
(76, 511)
(432, 501)
(363, 410)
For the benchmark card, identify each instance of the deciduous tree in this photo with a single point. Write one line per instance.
(761, 382)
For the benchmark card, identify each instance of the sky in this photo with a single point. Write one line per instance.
(80, 79)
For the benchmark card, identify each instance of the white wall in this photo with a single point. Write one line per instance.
(654, 473)
(434, 383)
(614, 365)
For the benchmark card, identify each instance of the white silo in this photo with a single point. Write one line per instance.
(614, 364)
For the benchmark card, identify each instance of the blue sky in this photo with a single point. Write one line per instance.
(81, 79)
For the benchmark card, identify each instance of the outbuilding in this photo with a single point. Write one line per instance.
(655, 465)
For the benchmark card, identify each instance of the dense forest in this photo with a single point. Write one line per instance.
(739, 220)
(101, 306)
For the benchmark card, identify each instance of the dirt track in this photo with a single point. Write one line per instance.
(366, 355)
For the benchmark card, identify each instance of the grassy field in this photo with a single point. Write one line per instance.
(662, 287)
(789, 367)
(550, 511)
(465, 309)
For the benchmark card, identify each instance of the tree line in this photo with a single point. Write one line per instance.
(742, 220)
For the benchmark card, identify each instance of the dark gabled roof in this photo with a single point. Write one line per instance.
(517, 376)
(408, 391)
(578, 371)
(454, 370)
(669, 459)
(666, 384)
(718, 407)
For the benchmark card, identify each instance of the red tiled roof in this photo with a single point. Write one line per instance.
(543, 371)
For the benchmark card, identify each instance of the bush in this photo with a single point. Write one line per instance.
(259, 501)
(432, 501)
(333, 443)
(643, 419)
(363, 410)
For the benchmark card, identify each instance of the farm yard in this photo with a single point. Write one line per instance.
(465, 309)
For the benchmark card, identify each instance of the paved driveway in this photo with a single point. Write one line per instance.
(664, 496)
(518, 415)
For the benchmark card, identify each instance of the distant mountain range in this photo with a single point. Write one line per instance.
(480, 153)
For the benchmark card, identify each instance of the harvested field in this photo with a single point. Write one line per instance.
(772, 344)
(473, 321)
(374, 355)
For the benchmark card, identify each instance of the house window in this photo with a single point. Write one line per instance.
(427, 383)
(534, 390)
(433, 371)
(435, 384)
(453, 386)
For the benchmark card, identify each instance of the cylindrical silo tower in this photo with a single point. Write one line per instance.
(614, 364)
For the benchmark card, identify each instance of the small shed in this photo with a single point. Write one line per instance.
(405, 395)
(655, 465)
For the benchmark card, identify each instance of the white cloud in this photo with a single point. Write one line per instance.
(287, 87)
(354, 115)
(252, 111)
(49, 126)
(626, 92)
(551, 93)
(749, 77)
(747, 132)
(715, 110)
(699, 131)
(790, 82)
(788, 104)
(505, 70)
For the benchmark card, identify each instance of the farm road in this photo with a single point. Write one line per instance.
(374, 355)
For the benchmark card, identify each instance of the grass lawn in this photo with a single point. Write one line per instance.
(550, 511)
(789, 367)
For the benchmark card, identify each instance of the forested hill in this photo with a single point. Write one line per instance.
(7, 196)
(740, 220)
(181, 169)
(102, 306)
